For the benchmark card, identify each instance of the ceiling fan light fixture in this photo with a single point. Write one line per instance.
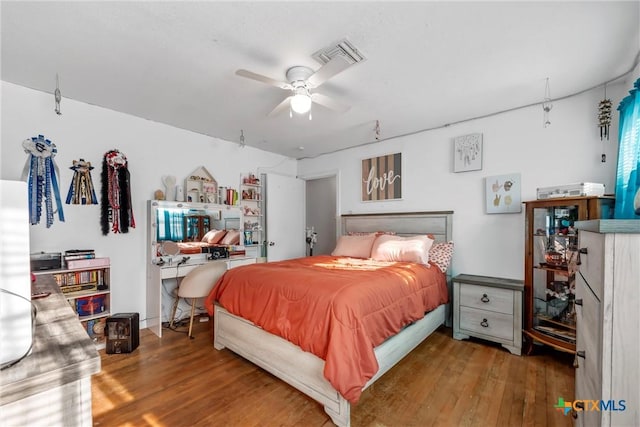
(301, 103)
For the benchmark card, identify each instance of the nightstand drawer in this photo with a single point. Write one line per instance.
(487, 298)
(497, 325)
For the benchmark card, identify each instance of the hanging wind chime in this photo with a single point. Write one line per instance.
(604, 120)
(40, 173)
(81, 190)
(604, 116)
(116, 194)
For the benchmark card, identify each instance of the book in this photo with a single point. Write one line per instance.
(79, 252)
(88, 263)
(78, 288)
(74, 257)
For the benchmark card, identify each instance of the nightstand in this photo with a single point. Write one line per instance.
(489, 308)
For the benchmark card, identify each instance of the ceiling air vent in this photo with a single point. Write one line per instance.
(344, 48)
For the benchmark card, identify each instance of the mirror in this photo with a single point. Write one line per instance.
(189, 222)
(169, 248)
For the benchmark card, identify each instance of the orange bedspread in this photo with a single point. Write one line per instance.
(336, 308)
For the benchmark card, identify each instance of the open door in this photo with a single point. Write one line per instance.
(285, 213)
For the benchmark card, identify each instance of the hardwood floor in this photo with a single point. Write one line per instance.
(176, 381)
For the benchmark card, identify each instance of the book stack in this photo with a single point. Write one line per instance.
(76, 254)
(84, 258)
(80, 281)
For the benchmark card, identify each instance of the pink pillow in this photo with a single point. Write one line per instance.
(213, 236)
(354, 246)
(231, 238)
(397, 248)
(440, 254)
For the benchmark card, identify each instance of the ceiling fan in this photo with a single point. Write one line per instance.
(301, 81)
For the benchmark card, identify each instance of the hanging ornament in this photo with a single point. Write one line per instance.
(57, 96)
(40, 173)
(116, 206)
(547, 105)
(604, 116)
(81, 190)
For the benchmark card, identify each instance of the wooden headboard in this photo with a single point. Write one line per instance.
(439, 224)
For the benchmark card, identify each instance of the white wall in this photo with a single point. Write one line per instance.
(152, 149)
(515, 142)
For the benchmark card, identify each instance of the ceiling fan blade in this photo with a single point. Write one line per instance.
(264, 79)
(280, 107)
(336, 65)
(330, 103)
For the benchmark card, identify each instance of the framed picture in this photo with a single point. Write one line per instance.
(467, 153)
(382, 178)
(503, 193)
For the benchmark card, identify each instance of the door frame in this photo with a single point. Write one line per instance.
(327, 174)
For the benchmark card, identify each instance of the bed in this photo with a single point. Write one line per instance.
(318, 375)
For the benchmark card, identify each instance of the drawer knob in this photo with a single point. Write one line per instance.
(485, 298)
(578, 301)
(581, 354)
(484, 323)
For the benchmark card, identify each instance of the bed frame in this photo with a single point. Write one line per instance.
(303, 370)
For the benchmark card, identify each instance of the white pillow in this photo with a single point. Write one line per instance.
(397, 248)
(354, 246)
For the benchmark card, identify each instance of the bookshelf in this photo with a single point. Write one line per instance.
(87, 288)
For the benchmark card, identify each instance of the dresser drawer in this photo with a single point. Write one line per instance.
(588, 342)
(489, 323)
(487, 298)
(592, 263)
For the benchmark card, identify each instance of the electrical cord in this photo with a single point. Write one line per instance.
(179, 322)
(34, 313)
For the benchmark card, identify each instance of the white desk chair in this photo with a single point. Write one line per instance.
(198, 284)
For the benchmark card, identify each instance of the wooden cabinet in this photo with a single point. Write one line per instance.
(551, 242)
(489, 308)
(608, 321)
(195, 227)
(88, 292)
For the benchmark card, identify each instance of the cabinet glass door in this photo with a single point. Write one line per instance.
(555, 255)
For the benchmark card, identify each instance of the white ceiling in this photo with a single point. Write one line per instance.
(427, 63)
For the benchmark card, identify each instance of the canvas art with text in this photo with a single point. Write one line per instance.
(382, 178)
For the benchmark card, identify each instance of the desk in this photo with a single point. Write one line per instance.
(156, 275)
(51, 386)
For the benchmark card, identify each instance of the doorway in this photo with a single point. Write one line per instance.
(322, 213)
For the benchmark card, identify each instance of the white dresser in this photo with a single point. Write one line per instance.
(608, 324)
(489, 308)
